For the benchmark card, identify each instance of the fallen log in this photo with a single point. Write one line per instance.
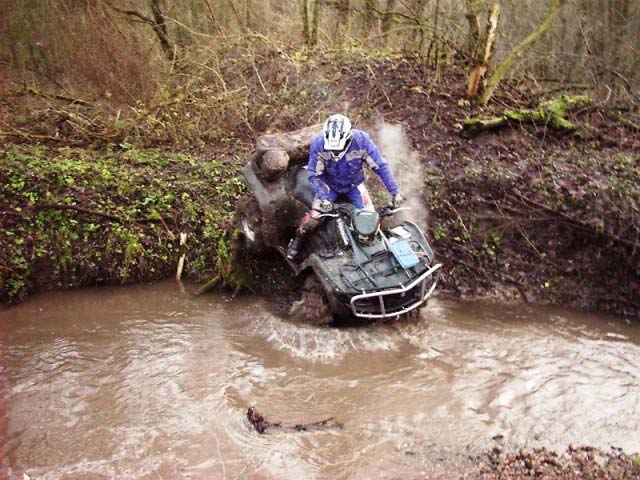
(550, 113)
(261, 425)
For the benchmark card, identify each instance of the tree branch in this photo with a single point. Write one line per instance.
(54, 96)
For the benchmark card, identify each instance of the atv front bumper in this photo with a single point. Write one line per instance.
(396, 301)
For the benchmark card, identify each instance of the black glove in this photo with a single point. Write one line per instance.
(325, 206)
(398, 201)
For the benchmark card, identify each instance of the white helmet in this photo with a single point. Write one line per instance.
(337, 132)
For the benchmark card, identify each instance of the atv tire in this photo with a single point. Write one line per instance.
(248, 222)
(315, 304)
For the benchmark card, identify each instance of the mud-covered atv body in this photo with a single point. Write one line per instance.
(355, 264)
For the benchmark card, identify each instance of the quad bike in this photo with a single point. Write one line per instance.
(354, 264)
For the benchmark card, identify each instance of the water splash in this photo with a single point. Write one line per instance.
(405, 164)
(323, 345)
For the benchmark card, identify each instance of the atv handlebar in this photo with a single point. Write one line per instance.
(388, 210)
(338, 209)
(385, 211)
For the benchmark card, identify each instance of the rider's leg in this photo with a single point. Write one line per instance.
(308, 224)
(360, 198)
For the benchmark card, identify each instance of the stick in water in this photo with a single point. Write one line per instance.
(183, 241)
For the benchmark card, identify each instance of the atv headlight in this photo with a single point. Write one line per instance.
(365, 238)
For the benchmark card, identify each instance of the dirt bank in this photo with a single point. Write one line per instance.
(526, 213)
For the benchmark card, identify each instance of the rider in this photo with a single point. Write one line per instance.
(336, 160)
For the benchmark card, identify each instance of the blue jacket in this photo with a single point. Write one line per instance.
(342, 176)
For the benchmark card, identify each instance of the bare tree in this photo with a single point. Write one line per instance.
(473, 18)
(418, 12)
(344, 11)
(157, 22)
(510, 60)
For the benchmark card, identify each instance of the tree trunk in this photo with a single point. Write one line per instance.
(368, 20)
(550, 113)
(387, 18)
(508, 62)
(314, 22)
(473, 38)
(435, 38)
(479, 66)
(306, 33)
(418, 35)
(160, 27)
(248, 15)
(344, 11)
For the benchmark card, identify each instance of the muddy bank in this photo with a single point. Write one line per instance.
(526, 213)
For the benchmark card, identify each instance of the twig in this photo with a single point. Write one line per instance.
(59, 206)
(567, 219)
(132, 13)
(54, 96)
(380, 86)
(209, 285)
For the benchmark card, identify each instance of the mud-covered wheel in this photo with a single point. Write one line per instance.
(248, 221)
(315, 303)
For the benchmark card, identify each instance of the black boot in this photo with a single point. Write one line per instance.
(294, 247)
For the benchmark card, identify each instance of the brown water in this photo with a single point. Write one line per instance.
(152, 382)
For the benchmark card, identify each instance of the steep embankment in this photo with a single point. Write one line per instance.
(526, 211)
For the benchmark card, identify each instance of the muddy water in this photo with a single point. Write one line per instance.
(152, 382)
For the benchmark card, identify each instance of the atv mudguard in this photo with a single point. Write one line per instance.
(282, 202)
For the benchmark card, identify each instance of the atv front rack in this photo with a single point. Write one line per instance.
(396, 301)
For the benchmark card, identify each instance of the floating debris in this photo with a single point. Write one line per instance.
(261, 424)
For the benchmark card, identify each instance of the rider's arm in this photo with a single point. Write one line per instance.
(315, 170)
(379, 165)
